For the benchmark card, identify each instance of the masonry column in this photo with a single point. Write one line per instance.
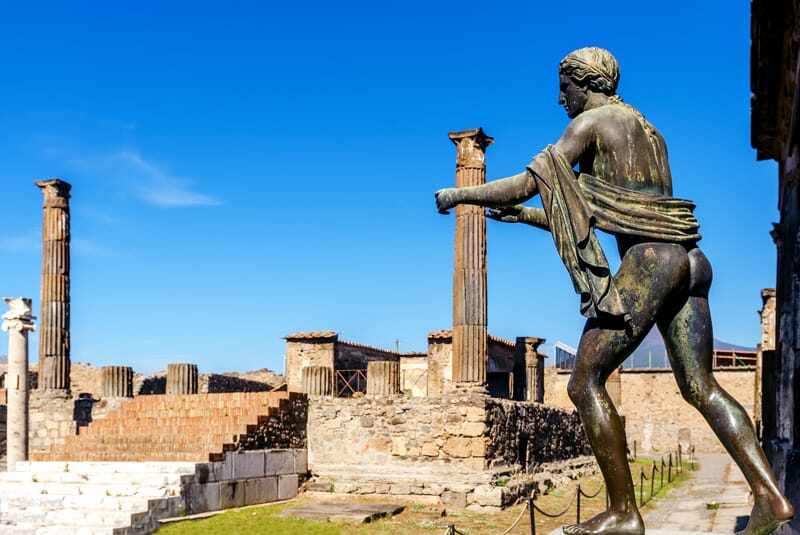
(18, 321)
(182, 379)
(528, 358)
(117, 381)
(614, 389)
(766, 349)
(54, 364)
(383, 378)
(469, 275)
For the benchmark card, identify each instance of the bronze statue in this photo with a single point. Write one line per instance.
(625, 188)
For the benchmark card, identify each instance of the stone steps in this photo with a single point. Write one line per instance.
(171, 428)
(94, 498)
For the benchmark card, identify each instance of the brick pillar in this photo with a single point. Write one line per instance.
(469, 275)
(614, 389)
(54, 363)
(182, 379)
(383, 378)
(527, 359)
(318, 380)
(117, 381)
(18, 321)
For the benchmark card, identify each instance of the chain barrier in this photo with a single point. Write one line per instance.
(532, 508)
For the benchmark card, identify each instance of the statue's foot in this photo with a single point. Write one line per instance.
(769, 513)
(609, 523)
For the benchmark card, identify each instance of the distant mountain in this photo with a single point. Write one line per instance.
(653, 353)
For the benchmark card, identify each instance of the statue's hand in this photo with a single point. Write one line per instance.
(506, 214)
(445, 199)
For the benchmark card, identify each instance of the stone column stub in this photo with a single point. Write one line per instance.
(318, 380)
(117, 381)
(182, 379)
(54, 340)
(470, 334)
(18, 321)
(383, 378)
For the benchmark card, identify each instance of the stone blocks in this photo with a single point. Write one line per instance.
(247, 478)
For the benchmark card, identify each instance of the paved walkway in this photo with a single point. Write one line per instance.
(717, 481)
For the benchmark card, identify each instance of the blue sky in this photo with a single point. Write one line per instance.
(246, 170)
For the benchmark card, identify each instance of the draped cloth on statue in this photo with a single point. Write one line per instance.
(575, 206)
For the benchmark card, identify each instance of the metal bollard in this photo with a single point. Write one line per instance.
(578, 507)
(634, 450)
(641, 486)
(663, 464)
(652, 480)
(533, 516)
(669, 473)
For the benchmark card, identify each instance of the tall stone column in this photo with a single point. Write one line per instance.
(470, 333)
(18, 321)
(766, 349)
(182, 379)
(383, 378)
(54, 363)
(117, 381)
(317, 380)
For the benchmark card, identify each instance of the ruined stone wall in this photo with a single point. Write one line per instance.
(655, 412)
(454, 449)
(440, 366)
(287, 429)
(414, 375)
(352, 356)
(531, 434)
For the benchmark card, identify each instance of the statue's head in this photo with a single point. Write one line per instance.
(583, 72)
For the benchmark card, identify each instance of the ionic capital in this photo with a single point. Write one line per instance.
(19, 316)
(471, 147)
(56, 192)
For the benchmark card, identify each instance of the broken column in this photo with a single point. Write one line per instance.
(469, 274)
(528, 369)
(117, 381)
(317, 380)
(383, 378)
(18, 321)
(182, 379)
(54, 364)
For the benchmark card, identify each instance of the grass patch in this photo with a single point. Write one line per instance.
(419, 519)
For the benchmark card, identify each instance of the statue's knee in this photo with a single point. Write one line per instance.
(577, 388)
(697, 394)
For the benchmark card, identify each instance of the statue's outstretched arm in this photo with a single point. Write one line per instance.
(519, 188)
(534, 217)
(503, 192)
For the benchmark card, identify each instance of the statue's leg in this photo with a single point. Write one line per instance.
(689, 340)
(649, 276)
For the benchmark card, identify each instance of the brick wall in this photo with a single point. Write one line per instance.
(655, 412)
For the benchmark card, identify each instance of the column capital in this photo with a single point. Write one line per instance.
(56, 192)
(19, 316)
(470, 146)
(530, 341)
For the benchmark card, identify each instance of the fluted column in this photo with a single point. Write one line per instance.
(317, 380)
(117, 381)
(54, 363)
(182, 378)
(383, 378)
(469, 275)
(18, 321)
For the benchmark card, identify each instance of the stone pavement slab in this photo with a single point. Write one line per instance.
(343, 512)
(718, 484)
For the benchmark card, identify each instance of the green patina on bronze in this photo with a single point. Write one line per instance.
(624, 187)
